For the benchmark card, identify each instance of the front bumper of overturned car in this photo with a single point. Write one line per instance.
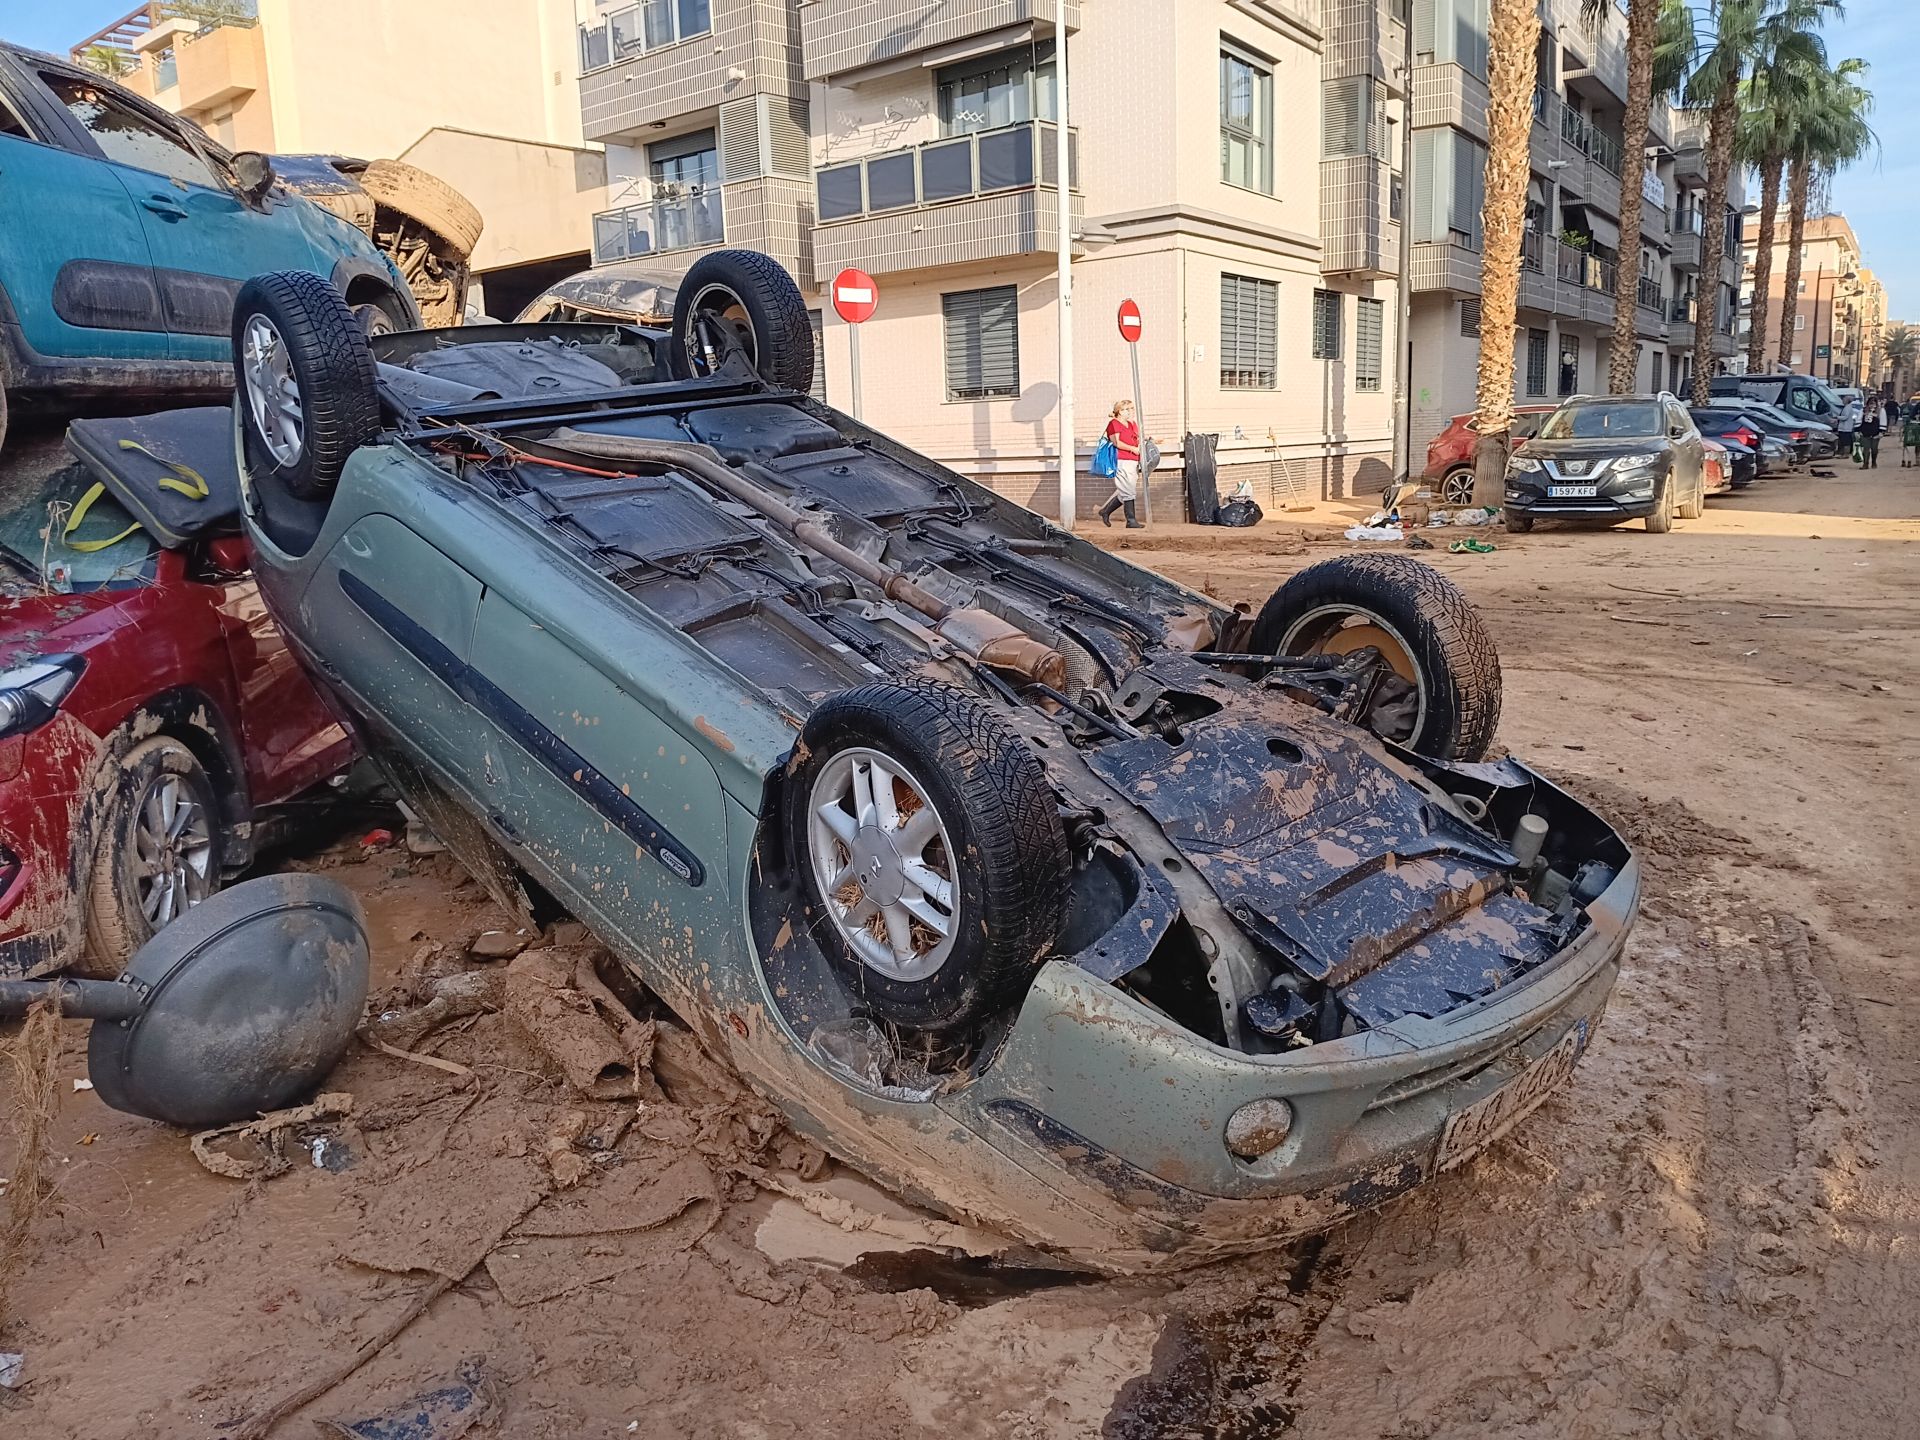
(1122, 1116)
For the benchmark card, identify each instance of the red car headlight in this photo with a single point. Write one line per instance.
(31, 693)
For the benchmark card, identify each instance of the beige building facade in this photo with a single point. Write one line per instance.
(483, 93)
(1838, 308)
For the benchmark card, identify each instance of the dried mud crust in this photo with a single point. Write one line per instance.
(427, 200)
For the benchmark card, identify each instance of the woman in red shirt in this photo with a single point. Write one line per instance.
(1125, 434)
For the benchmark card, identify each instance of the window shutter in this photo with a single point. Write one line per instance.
(1470, 318)
(1536, 362)
(740, 139)
(1326, 325)
(1343, 126)
(982, 343)
(1249, 332)
(1423, 27)
(1368, 327)
(788, 150)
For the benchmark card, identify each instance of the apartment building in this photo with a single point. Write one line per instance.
(1580, 161)
(1838, 308)
(917, 142)
(482, 93)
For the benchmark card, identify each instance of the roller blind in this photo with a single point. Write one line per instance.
(1368, 329)
(1249, 332)
(982, 343)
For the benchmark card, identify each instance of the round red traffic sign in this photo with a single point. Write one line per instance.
(1129, 320)
(855, 296)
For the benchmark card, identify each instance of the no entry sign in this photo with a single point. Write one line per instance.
(855, 296)
(1129, 320)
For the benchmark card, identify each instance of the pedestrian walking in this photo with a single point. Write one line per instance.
(1847, 423)
(1124, 431)
(1872, 423)
(1910, 436)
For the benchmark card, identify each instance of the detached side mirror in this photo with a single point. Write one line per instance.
(254, 172)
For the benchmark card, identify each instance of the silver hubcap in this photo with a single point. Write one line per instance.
(1457, 488)
(882, 857)
(273, 394)
(172, 851)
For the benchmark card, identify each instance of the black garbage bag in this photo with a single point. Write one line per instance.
(1239, 512)
(1203, 478)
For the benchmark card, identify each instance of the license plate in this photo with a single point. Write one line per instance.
(1572, 492)
(1486, 1120)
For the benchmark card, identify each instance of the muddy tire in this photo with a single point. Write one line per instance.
(1695, 504)
(158, 854)
(741, 299)
(380, 317)
(1660, 518)
(426, 199)
(1423, 625)
(303, 380)
(932, 852)
(1516, 523)
(1456, 486)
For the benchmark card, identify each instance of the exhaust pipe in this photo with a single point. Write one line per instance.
(987, 638)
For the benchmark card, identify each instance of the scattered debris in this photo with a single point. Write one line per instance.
(1472, 546)
(80, 1085)
(1419, 542)
(376, 839)
(499, 944)
(446, 998)
(12, 1362)
(1375, 532)
(444, 1413)
(1636, 620)
(1480, 515)
(567, 1166)
(1776, 615)
(257, 1149)
(1642, 590)
(564, 1012)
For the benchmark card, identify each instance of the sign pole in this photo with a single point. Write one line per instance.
(853, 354)
(1063, 268)
(1140, 426)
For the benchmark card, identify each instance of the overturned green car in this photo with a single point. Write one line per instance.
(1047, 892)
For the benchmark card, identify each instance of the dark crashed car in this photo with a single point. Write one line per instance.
(1046, 891)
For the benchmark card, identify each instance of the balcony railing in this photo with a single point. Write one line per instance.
(166, 70)
(1014, 157)
(1574, 266)
(1681, 311)
(1531, 244)
(1651, 295)
(638, 29)
(1592, 142)
(666, 222)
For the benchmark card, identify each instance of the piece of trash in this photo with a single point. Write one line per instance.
(499, 944)
(1479, 515)
(11, 1363)
(1473, 546)
(1699, 642)
(1440, 517)
(1748, 654)
(857, 1047)
(256, 1149)
(1419, 542)
(1375, 532)
(1636, 620)
(422, 841)
(1572, 747)
(566, 1015)
(374, 839)
(89, 1138)
(443, 1413)
(1777, 615)
(80, 1085)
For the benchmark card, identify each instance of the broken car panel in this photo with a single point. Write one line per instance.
(1041, 888)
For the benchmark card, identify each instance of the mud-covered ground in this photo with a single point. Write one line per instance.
(1714, 1232)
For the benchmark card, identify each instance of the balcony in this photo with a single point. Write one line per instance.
(1359, 226)
(666, 222)
(668, 60)
(981, 196)
(1690, 154)
(1686, 244)
(1590, 141)
(166, 71)
(220, 64)
(641, 29)
(841, 36)
(1651, 296)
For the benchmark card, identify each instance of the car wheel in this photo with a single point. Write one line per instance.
(1660, 518)
(304, 381)
(934, 858)
(426, 199)
(158, 854)
(378, 317)
(1696, 504)
(1516, 522)
(742, 302)
(1456, 486)
(1447, 701)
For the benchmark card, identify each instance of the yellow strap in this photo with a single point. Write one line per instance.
(79, 513)
(191, 483)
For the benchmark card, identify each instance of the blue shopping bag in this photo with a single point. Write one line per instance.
(1106, 459)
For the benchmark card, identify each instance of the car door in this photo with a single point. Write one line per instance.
(74, 261)
(1689, 452)
(203, 240)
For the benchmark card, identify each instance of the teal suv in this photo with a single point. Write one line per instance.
(128, 233)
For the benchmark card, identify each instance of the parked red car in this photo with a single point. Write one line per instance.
(149, 713)
(1716, 468)
(1450, 453)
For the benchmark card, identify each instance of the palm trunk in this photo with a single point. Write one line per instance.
(1713, 242)
(1641, 15)
(1770, 168)
(1512, 39)
(1797, 189)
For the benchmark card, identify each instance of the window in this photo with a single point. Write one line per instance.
(1799, 321)
(1354, 117)
(10, 123)
(684, 160)
(662, 22)
(1326, 325)
(125, 136)
(1536, 362)
(997, 90)
(1246, 121)
(1569, 364)
(1470, 319)
(982, 343)
(1369, 327)
(1249, 332)
(1449, 187)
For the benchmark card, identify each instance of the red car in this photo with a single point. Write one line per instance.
(1716, 469)
(1450, 454)
(149, 713)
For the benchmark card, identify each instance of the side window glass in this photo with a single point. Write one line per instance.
(126, 136)
(10, 123)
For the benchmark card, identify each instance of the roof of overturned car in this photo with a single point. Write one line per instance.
(1044, 889)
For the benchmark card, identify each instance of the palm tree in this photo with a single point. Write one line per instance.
(108, 60)
(1513, 37)
(1738, 33)
(1900, 348)
(1773, 106)
(1643, 18)
(1830, 130)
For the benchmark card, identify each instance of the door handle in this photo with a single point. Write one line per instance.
(358, 546)
(164, 205)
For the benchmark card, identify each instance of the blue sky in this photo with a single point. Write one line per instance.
(1881, 196)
